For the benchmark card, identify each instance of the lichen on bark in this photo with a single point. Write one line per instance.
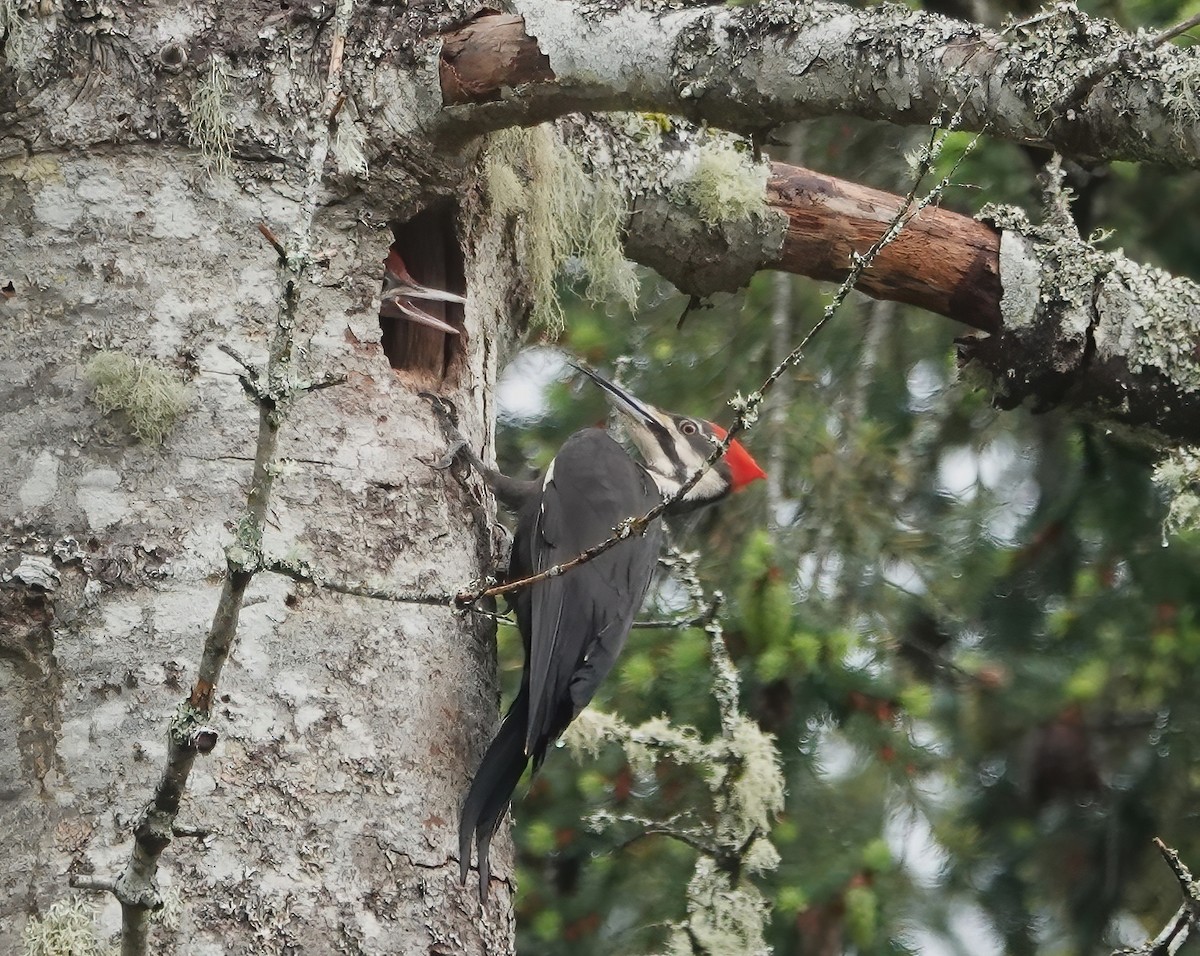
(1089, 328)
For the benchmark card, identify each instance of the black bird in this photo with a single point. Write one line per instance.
(574, 624)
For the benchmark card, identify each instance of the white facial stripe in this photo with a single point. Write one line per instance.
(710, 486)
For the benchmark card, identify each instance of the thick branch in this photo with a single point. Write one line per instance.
(1067, 324)
(757, 66)
(941, 261)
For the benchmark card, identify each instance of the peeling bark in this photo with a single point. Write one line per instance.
(1065, 324)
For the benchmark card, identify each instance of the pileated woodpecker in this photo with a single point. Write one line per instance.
(574, 624)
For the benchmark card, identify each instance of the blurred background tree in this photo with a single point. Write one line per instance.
(965, 627)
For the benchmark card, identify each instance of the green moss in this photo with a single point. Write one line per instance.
(210, 125)
(566, 213)
(150, 396)
(65, 929)
(724, 184)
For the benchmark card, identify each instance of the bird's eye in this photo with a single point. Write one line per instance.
(687, 427)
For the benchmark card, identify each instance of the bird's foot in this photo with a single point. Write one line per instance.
(447, 418)
(443, 409)
(456, 448)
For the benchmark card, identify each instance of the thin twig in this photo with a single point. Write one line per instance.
(188, 737)
(303, 571)
(1182, 873)
(1179, 927)
(273, 240)
(1172, 32)
(679, 623)
(91, 883)
(681, 836)
(726, 682)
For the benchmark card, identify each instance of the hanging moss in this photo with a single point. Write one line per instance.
(150, 396)
(568, 215)
(210, 125)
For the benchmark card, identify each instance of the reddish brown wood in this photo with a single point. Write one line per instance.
(942, 261)
(489, 53)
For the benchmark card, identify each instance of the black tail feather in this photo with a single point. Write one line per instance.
(491, 791)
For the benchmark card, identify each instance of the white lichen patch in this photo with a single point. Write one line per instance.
(41, 485)
(349, 148)
(1179, 477)
(568, 216)
(1138, 314)
(65, 929)
(1151, 320)
(151, 397)
(723, 920)
(99, 496)
(1056, 263)
(1020, 278)
(722, 182)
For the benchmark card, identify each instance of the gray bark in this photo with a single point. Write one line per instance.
(348, 726)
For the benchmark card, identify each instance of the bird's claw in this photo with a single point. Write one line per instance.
(447, 417)
(451, 455)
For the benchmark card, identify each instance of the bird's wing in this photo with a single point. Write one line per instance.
(578, 621)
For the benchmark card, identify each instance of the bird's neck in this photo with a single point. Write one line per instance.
(710, 488)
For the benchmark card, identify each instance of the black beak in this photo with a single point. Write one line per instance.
(628, 405)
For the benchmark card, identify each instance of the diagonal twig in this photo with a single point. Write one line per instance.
(747, 407)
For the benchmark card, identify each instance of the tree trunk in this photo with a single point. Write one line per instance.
(347, 726)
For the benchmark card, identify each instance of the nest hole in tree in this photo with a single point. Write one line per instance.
(429, 248)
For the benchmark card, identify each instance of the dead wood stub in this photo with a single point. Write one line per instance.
(491, 52)
(941, 261)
